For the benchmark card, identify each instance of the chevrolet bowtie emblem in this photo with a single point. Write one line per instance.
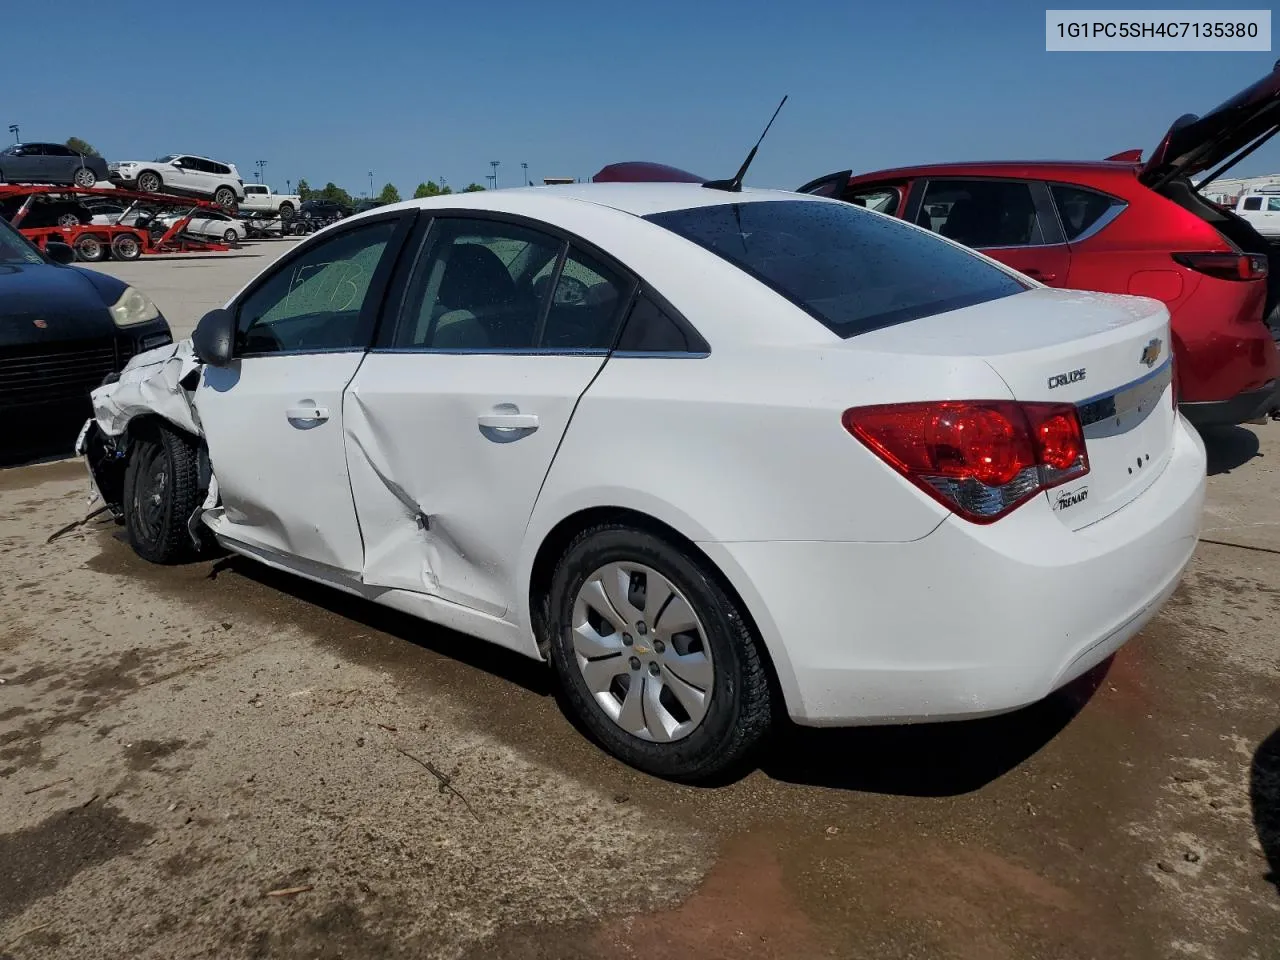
(40, 322)
(1151, 352)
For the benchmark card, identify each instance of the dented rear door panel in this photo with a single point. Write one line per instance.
(447, 454)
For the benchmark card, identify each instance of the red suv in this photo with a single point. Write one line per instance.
(1119, 226)
(1123, 226)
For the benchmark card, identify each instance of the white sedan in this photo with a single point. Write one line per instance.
(715, 456)
(211, 225)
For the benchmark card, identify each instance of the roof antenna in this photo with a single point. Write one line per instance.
(735, 185)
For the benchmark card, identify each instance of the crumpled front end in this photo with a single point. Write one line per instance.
(157, 383)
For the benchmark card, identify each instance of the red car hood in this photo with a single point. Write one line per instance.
(1196, 144)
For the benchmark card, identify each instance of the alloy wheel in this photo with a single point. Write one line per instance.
(642, 652)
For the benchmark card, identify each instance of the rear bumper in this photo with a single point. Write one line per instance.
(969, 620)
(1241, 408)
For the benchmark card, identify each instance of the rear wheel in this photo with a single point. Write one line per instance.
(161, 492)
(126, 247)
(149, 182)
(224, 197)
(656, 660)
(89, 248)
(286, 212)
(84, 177)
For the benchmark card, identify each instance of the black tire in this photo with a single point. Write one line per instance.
(125, 246)
(84, 177)
(224, 197)
(740, 710)
(161, 492)
(149, 182)
(89, 248)
(286, 212)
(230, 237)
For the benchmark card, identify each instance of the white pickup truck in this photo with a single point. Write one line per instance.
(259, 200)
(1262, 209)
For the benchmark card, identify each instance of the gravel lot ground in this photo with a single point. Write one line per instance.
(178, 744)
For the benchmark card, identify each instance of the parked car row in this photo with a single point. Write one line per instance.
(1123, 226)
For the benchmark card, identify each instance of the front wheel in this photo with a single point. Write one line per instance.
(149, 182)
(161, 493)
(656, 659)
(230, 237)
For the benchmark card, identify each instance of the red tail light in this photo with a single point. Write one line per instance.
(980, 458)
(1226, 266)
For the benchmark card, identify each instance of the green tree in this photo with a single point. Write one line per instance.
(304, 190)
(335, 193)
(82, 147)
(428, 189)
(389, 194)
(473, 188)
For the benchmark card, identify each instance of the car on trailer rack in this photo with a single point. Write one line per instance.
(63, 330)
(182, 174)
(50, 163)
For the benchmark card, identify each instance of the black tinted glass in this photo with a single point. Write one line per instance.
(981, 213)
(1078, 208)
(850, 269)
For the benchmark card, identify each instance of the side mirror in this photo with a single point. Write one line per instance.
(213, 337)
(59, 252)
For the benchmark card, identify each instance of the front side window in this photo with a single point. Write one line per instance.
(850, 270)
(480, 285)
(1273, 204)
(1079, 209)
(879, 199)
(981, 213)
(314, 302)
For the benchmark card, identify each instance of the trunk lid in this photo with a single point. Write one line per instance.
(1108, 355)
(1195, 144)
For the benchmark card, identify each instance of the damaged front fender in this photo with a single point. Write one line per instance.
(157, 383)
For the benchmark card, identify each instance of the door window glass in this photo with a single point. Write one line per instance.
(584, 307)
(1252, 203)
(1273, 204)
(315, 301)
(880, 199)
(981, 213)
(480, 285)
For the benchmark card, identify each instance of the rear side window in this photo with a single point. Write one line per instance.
(1079, 209)
(1252, 203)
(982, 213)
(650, 329)
(851, 270)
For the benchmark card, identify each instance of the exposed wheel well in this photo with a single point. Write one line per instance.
(558, 539)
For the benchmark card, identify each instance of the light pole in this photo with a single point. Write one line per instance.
(493, 181)
(370, 184)
(288, 186)
(525, 168)
(13, 128)
(494, 164)
(443, 183)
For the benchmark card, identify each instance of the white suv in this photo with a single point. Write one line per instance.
(182, 173)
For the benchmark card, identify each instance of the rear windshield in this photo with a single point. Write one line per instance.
(854, 271)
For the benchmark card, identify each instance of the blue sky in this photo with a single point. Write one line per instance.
(330, 90)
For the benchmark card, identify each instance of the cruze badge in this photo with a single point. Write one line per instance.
(1151, 352)
(1062, 379)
